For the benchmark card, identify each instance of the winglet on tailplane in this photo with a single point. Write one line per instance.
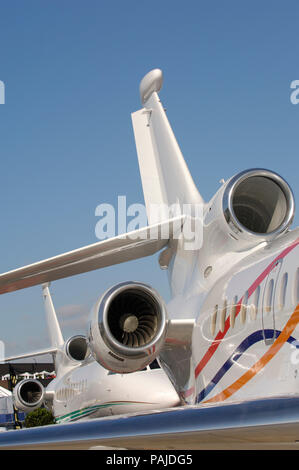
(166, 179)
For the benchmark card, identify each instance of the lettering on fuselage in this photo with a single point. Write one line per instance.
(116, 357)
(73, 389)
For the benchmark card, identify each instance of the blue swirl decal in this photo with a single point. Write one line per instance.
(252, 339)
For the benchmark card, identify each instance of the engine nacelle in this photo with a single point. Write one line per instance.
(28, 395)
(253, 206)
(77, 349)
(127, 327)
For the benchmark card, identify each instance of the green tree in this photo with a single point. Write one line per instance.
(39, 417)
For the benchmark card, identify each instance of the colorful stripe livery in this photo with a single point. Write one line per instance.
(244, 346)
(83, 412)
(281, 338)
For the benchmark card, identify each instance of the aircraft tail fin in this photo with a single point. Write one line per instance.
(56, 338)
(166, 179)
(54, 330)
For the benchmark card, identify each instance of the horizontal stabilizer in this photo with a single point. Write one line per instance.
(133, 245)
(42, 352)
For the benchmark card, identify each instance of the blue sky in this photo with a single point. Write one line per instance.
(72, 70)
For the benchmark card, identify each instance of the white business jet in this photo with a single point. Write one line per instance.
(228, 338)
(82, 388)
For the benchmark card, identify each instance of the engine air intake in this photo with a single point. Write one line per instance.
(77, 348)
(128, 327)
(28, 394)
(259, 202)
(133, 318)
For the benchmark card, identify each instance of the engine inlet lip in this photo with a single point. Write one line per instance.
(227, 202)
(24, 402)
(68, 345)
(103, 322)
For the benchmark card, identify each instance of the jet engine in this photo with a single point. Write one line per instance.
(28, 395)
(254, 205)
(77, 349)
(127, 327)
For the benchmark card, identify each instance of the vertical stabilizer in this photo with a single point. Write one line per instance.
(166, 179)
(55, 334)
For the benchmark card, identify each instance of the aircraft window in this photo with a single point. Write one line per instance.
(296, 287)
(255, 302)
(269, 296)
(223, 316)
(244, 309)
(233, 311)
(283, 291)
(243, 313)
(213, 320)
